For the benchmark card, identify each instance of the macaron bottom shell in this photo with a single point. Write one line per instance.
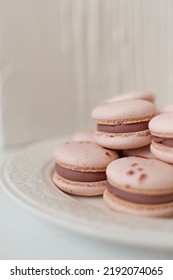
(122, 141)
(162, 152)
(164, 210)
(79, 188)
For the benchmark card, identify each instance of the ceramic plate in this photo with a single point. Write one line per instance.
(27, 178)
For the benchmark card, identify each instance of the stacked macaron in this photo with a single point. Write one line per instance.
(140, 186)
(137, 181)
(123, 124)
(161, 128)
(80, 168)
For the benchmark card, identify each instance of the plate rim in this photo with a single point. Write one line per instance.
(41, 211)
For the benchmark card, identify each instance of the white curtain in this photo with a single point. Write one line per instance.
(61, 57)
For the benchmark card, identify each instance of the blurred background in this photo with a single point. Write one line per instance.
(59, 58)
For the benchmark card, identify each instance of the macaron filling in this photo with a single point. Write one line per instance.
(164, 141)
(123, 128)
(80, 176)
(140, 198)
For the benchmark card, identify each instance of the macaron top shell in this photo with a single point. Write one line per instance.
(124, 112)
(144, 95)
(141, 175)
(162, 125)
(84, 156)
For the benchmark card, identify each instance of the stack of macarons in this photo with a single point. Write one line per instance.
(123, 124)
(161, 129)
(80, 168)
(128, 158)
(142, 186)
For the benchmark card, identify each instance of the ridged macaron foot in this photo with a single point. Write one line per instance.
(140, 186)
(161, 129)
(80, 168)
(141, 94)
(123, 124)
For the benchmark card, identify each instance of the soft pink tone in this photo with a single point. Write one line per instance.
(79, 188)
(123, 112)
(144, 95)
(117, 204)
(121, 141)
(142, 175)
(162, 125)
(84, 156)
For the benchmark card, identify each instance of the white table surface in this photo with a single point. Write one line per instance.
(23, 236)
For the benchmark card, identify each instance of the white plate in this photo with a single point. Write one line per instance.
(27, 177)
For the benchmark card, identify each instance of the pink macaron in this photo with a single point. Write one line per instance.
(84, 135)
(140, 152)
(123, 124)
(140, 186)
(144, 95)
(80, 168)
(161, 128)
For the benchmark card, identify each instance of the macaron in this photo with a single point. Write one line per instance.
(80, 168)
(144, 95)
(84, 135)
(140, 152)
(123, 124)
(167, 108)
(140, 186)
(161, 128)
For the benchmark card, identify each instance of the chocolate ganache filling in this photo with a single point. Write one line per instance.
(164, 141)
(79, 176)
(123, 128)
(140, 198)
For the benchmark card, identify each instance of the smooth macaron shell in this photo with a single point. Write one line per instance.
(123, 140)
(161, 128)
(83, 156)
(79, 160)
(126, 115)
(141, 186)
(144, 95)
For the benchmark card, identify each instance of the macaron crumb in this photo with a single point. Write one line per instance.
(142, 177)
(134, 164)
(130, 172)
